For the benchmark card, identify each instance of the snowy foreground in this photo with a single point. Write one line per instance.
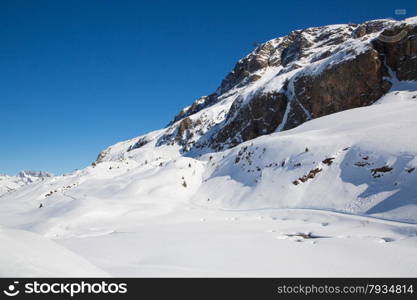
(197, 242)
(335, 196)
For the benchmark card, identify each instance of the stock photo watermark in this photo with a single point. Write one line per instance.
(61, 288)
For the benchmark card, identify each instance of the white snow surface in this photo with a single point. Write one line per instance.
(26, 254)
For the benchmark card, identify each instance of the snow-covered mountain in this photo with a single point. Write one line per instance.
(310, 135)
(288, 81)
(10, 184)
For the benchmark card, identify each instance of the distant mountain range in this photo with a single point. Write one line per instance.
(11, 183)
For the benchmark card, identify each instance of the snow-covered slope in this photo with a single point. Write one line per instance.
(360, 161)
(310, 139)
(25, 254)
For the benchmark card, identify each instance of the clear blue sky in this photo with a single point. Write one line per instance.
(77, 76)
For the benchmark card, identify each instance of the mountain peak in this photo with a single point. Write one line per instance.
(289, 80)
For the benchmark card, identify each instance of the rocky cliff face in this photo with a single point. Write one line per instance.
(288, 80)
(397, 47)
(354, 83)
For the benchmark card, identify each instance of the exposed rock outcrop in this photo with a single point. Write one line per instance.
(141, 142)
(199, 104)
(260, 116)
